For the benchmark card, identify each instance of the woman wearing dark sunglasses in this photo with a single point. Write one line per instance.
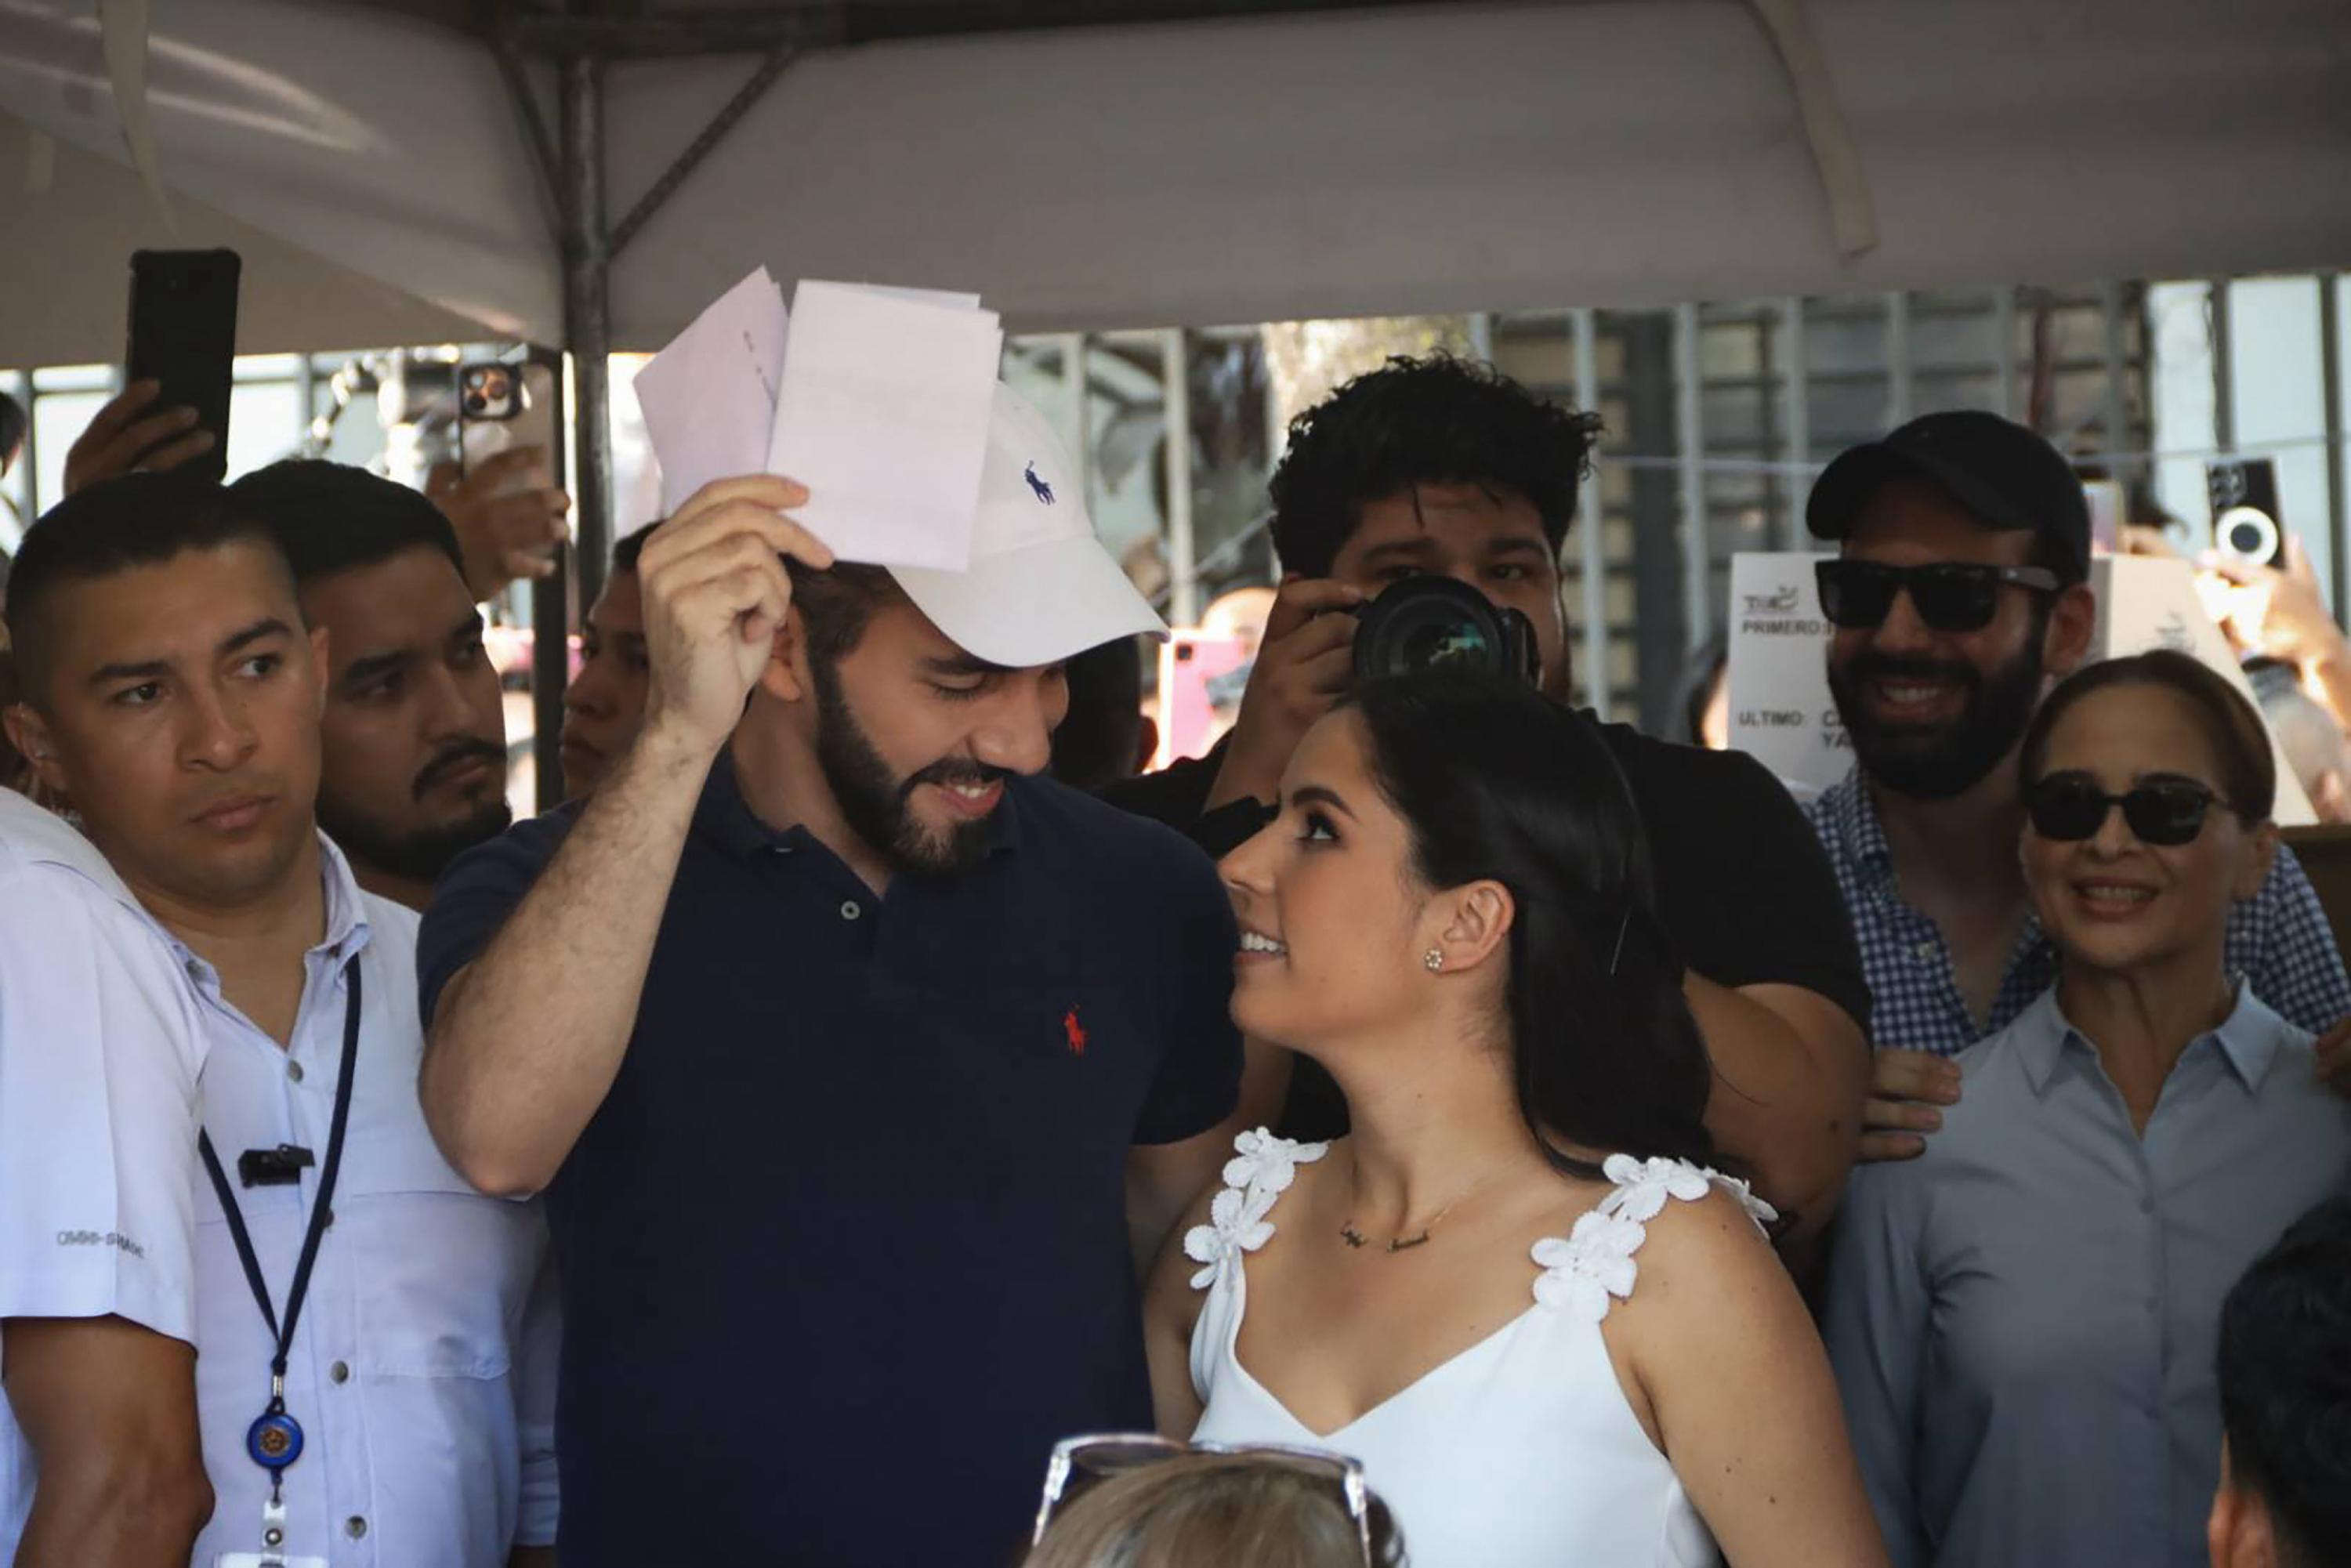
(2023, 1321)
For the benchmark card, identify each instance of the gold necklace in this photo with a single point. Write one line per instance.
(1356, 1239)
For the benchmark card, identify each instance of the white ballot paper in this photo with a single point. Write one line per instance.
(881, 412)
(709, 398)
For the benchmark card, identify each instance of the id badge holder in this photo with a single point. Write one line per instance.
(272, 1542)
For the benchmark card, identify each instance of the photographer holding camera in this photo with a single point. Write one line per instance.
(1451, 475)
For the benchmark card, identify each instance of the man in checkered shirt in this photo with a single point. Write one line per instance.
(1960, 591)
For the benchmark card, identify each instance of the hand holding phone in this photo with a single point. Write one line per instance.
(134, 432)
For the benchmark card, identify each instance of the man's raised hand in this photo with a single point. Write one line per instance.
(716, 596)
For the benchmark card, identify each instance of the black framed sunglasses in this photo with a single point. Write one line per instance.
(1949, 596)
(1079, 1462)
(2069, 807)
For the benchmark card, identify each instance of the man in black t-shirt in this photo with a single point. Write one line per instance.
(1439, 467)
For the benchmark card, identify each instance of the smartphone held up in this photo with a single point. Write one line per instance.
(183, 338)
(2245, 510)
(504, 408)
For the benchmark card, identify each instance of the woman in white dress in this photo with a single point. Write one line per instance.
(1517, 1292)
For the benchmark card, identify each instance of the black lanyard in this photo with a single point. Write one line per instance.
(276, 1440)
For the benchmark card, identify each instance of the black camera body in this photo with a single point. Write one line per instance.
(1423, 621)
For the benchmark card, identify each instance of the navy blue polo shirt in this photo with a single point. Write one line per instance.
(845, 1250)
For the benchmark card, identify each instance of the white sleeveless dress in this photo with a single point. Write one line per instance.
(1520, 1452)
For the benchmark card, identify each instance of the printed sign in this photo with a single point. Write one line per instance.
(1781, 712)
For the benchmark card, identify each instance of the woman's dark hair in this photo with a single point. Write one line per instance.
(1496, 782)
(2239, 744)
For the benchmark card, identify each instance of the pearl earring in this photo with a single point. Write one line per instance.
(1434, 961)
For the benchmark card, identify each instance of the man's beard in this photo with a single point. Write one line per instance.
(878, 806)
(1937, 762)
(420, 856)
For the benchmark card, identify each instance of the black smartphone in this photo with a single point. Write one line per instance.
(2245, 510)
(184, 336)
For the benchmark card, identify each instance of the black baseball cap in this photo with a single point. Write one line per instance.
(2007, 475)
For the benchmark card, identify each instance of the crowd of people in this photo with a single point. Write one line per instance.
(869, 1123)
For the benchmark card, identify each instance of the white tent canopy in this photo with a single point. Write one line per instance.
(1615, 152)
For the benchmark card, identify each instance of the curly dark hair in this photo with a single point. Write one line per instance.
(1434, 421)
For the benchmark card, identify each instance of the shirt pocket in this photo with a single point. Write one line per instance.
(444, 1272)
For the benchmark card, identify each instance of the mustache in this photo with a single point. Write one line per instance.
(950, 771)
(454, 756)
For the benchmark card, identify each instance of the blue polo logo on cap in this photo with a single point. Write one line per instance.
(1044, 491)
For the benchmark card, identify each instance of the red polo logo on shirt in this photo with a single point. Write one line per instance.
(1076, 1032)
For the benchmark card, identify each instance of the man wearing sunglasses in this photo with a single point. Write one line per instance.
(1959, 593)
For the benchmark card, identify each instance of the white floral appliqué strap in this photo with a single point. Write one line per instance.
(1592, 1267)
(1260, 1171)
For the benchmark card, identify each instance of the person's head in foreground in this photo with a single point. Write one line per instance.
(1460, 825)
(413, 763)
(910, 694)
(1959, 588)
(170, 690)
(1160, 1506)
(1439, 467)
(605, 704)
(2148, 786)
(2284, 1500)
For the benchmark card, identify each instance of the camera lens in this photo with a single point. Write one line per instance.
(1423, 621)
(2248, 533)
(1443, 641)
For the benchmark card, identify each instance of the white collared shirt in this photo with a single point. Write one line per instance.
(100, 1047)
(423, 1370)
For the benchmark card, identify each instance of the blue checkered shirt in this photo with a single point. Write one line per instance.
(2278, 940)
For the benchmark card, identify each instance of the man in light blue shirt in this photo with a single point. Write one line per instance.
(2022, 1320)
(375, 1392)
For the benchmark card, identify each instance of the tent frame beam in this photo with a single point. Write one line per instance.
(745, 99)
(571, 164)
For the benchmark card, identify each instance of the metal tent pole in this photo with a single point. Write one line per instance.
(587, 312)
(2338, 505)
(550, 622)
(2224, 375)
(1689, 424)
(1796, 399)
(1182, 562)
(1590, 518)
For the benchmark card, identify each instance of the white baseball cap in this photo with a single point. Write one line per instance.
(1041, 588)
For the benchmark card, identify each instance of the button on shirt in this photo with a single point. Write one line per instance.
(2023, 1319)
(423, 1368)
(99, 1053)
(2278, 940)
(858, 1189)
